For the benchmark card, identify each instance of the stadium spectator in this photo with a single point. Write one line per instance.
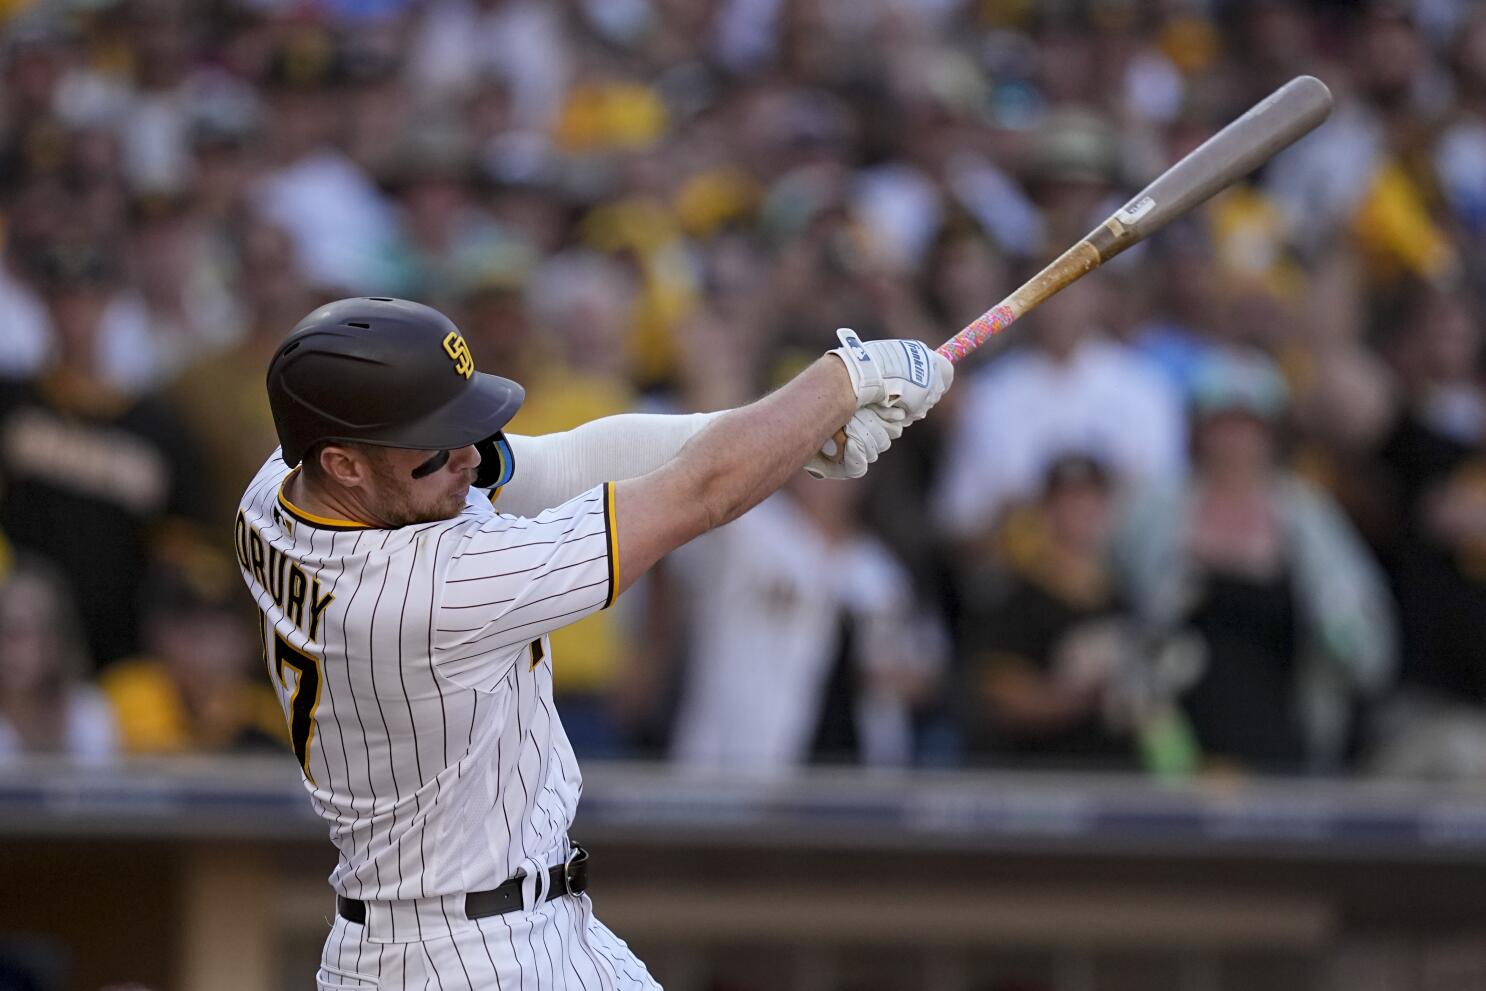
(1436, 460)
(444, 236)
(182, 292)
(522, 45)
(1043, 646)
(46, 705)
(45, 224)
(198, 686)
(801, 641)
(1073, 389)
(565, 348)
(1182, 328)
(226, 409)
(93, 478)
(1293, 611)
(342, 225)
(687, 193)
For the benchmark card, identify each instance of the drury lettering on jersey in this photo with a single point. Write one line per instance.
(280, 577)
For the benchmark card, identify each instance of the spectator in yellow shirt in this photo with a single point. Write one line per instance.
(565, 348)
(196, 688)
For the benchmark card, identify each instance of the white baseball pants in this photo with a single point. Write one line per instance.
(559, 945)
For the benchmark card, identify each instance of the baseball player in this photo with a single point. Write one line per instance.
(410, 560)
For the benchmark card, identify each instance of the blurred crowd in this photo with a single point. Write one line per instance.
(1218, 507)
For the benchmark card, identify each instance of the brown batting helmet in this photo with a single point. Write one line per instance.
(389, 372)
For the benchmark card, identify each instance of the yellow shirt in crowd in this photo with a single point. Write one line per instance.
(154, 718)
(560, 399)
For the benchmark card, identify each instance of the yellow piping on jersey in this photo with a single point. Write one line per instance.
(610, 518)
(311, 518)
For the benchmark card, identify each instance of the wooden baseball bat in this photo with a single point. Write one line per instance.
(1282, 118)
(1276, 122)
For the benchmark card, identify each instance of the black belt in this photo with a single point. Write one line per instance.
(570, 878)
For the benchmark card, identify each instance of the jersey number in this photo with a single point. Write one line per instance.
(303, 702)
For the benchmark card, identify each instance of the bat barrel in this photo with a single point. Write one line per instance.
(1271, 125)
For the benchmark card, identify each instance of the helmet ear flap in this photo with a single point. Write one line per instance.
(497, 463)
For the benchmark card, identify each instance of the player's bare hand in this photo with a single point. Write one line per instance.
(871, 431)
(901, 373)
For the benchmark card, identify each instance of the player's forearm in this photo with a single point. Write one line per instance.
(552, 468)
(748, 453)
(728, 468)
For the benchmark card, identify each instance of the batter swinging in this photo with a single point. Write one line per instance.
(405, 617)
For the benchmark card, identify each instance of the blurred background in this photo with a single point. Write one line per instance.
(1155, 658)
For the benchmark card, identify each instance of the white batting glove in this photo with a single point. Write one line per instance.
(894, 373)
(871, 431)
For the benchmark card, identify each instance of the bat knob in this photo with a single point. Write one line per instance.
(835, 448)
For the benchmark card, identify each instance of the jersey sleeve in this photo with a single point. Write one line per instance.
(514, 580)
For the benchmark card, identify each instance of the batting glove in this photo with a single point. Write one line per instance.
(871, 431)
(899, 373)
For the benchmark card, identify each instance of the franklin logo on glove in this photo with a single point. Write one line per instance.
(918, 362)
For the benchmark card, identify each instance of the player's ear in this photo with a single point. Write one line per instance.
(343, 465)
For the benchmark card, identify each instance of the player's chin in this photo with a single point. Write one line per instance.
(453, 505)
(432, 511)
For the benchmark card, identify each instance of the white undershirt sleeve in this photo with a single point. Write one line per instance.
(553, 468)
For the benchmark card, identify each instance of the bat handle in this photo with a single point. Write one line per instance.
(980, 330)
(840, 438)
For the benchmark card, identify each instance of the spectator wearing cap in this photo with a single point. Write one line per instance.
(561, 338)
(179, 286)
(1073, 388)
(1293, 612)
(376, 103)
(1072, 171)
(444, 236)
(41, 220)
(196, 688)
(45, 214)
(227, 127)
(154, 121)
(93, 478)
(228, 410)
(46, 705)
(1042, 644)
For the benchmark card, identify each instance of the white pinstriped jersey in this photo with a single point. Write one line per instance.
(416, 678)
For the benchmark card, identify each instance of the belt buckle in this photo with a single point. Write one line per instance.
(576, 857)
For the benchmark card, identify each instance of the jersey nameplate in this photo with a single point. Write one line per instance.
(283, 579)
